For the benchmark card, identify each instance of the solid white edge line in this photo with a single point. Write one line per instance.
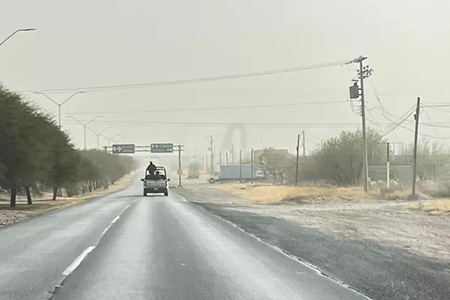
(115, 219)
(77, 261)
(285, 253)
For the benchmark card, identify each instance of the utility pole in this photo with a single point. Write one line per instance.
(220, 158)
(251, 162)
(232, 154)
(180, 170)
(388, 166)
(296, 166)
(240, 165)
(226, 157)
(363, 116)
(416, 136)
(212, 153)
(303, 143)
(356, 92)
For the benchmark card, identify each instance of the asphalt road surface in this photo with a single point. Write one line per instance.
(126, 246)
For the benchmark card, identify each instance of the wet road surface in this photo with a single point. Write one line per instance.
(125, 246)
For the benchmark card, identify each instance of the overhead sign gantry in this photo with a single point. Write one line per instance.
(153, 148)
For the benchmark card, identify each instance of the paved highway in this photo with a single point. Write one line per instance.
(125, 246)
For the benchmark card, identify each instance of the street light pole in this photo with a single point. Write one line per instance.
(85, 125)
(98, 134)
(59, 104)
(17, 31)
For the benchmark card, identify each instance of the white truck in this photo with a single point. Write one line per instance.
(157, 182)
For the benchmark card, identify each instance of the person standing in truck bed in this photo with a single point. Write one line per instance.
(151, 168)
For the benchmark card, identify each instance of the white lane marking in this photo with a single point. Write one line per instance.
(115, 219)
(89, 249)
(112, 223)
(294, 258)
(77, 261)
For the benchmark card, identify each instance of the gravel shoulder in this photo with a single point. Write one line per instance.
(384, 249)
(44, 204)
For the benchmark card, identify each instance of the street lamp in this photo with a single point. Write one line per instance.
(112, 138)
(99, 134)
(18, 30)
(85, 125)
(60, 103)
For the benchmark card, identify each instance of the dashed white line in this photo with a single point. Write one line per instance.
(89, 249)
(77, 261)
(115, 219)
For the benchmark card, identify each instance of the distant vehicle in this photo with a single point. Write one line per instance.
(213, 177)
(235, 172)
(157, 182)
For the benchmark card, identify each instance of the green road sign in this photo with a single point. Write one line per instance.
(123, 148)
(161, 148)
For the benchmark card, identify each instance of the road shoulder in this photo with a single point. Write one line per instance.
(380, 270)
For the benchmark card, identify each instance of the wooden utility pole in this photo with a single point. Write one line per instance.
(180, 171)
(358, 92)
(416, 136)
(363, 117)
(296, 166)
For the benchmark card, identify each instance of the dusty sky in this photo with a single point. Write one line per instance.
(105, 42)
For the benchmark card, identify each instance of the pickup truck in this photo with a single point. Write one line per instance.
(156, 182)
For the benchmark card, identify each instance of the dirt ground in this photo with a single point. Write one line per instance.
(420, 227)
(45, 204)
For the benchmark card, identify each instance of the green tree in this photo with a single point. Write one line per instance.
(276, 162)
(340, 159)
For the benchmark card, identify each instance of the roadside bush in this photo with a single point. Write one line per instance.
(35, 153)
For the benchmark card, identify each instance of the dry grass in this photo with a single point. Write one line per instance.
(432, 207)
(272, 194)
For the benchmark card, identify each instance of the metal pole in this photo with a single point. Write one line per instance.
(416, 135)
(363, 116)
(388, 167)
(226, 157)
(251, 160)
(59, 116)
(12, 34)
(240, 165)
(179, 165)
(84, 126)
(296, 166)
(98, 141)
(212, 154)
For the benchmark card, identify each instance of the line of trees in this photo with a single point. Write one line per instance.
(36, 155)
(337, 160)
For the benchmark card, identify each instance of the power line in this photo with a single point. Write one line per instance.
(206, 108)
(397, 125)
(227, 124)
(195, 80)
